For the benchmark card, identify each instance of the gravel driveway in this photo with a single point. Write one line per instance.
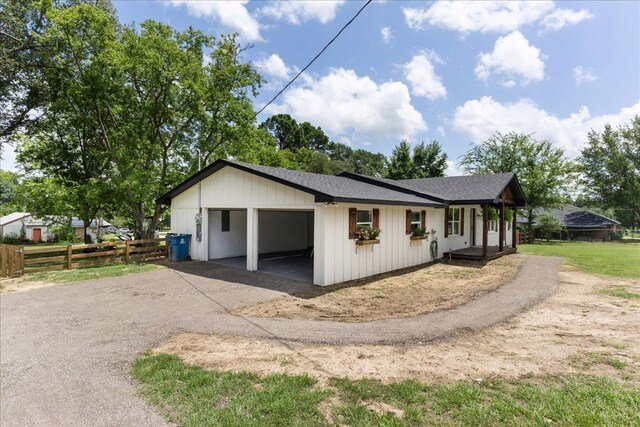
(65, 351)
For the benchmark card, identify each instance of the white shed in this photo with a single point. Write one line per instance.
(23, 225)
(310, 227)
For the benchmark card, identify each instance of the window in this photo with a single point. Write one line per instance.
(226, 221)
(416, 220)
(493, 225)
(509, 226)
(365, 218)
(453, 224)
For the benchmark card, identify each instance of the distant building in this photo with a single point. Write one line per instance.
(580, 224)
(24, 226)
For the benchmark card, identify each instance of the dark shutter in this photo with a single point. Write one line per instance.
(423, 219)
(353, 222)
(446, 222)
(462, 221)
(376, 218)
(408, 222)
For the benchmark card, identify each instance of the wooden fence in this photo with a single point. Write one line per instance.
(11, 261)
(78, 256)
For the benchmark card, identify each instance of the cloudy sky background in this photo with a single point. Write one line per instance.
(451, 71)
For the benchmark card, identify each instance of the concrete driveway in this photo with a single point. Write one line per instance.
(65, 351)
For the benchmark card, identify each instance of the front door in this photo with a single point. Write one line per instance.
(37, 235)
(473, 226)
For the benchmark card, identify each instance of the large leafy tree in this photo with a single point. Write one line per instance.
(151, 104)
(427, 160)
(611, 169)
(543, 172)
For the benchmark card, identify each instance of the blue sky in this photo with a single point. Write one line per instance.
(454, 72)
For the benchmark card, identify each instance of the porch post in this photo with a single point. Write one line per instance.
(513, 228)
(501, 231)
(252, 239)
(485, 229)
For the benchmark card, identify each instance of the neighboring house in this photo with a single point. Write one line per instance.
(579, 223)
(24, 225)
(303, 225)
(78, 225)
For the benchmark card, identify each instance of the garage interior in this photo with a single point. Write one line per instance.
(285, 241)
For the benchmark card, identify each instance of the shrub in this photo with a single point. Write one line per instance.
(547, 225)
(11, 239)
(64, 233)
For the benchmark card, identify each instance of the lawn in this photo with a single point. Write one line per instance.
(610, 259)
(191, 396)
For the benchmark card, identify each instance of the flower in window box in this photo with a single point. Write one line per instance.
(367, 233)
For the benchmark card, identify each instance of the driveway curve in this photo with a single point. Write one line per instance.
(65, 351)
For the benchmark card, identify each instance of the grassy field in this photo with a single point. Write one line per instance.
(191, 396)
(611, 259)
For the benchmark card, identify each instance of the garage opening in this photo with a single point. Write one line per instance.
(285, 243)
(228, 237)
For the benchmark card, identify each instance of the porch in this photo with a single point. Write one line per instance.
(476, 253)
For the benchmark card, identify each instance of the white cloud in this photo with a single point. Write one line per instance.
(347, 105)
(512, 58)
(232, 14)
(452, 169)
(560, 18)
(480, 118)
(484, 16)
(584, 75)
(274, 66)
(386, 34)
(420, 73)
(441, 131)
(296, 12)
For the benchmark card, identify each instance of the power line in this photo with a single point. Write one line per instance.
(315, 57)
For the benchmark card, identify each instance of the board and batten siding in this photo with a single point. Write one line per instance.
(230, 188)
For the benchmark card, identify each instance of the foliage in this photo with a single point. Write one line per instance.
(11, 193)
(420, 232)
(366, 233)
(64, 233)
(11, 239)
(548, 225)
(610, 259)
(191, 395)
(543, 172)
(427, 161)
(611, 170)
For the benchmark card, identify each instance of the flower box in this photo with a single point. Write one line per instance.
(418, 237)
(367, 242)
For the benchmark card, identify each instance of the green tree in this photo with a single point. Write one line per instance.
(400, 164)
(543, 172)
(11, 193)
(153, 104)
(429, 160)
(285, 130)
(548, 225)
(611, 170)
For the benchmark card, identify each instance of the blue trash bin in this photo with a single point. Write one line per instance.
(178, 246)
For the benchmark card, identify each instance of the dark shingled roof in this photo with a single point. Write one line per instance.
(325, 188)
(574, 217)
(455, 189)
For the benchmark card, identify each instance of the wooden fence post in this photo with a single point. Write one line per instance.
(126, 251)
(69, 256)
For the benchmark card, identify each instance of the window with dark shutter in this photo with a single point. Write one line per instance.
(353, 221)
(376, 218)
(408, 227)
(423, 220)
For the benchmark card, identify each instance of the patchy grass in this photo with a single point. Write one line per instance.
(189, 395)
(46, 278)
(620, 292)
(611, 259)
(410, 292)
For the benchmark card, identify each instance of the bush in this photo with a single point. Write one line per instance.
(11, 239)
(547, 225)
(64, 233)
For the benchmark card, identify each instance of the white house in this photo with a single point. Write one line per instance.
(304, 225)
(24, 225)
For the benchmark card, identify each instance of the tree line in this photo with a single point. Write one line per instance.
(107, 117)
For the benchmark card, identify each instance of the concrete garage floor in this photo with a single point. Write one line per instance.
(295, 266)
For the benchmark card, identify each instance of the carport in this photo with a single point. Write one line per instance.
(283, 240)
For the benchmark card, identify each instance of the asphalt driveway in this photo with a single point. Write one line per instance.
(65, 351)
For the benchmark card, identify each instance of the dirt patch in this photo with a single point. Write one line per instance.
(383, 408)
(19, 285)
(436, 287)
(578, 330)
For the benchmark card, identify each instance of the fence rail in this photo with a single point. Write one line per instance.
(18, 260)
